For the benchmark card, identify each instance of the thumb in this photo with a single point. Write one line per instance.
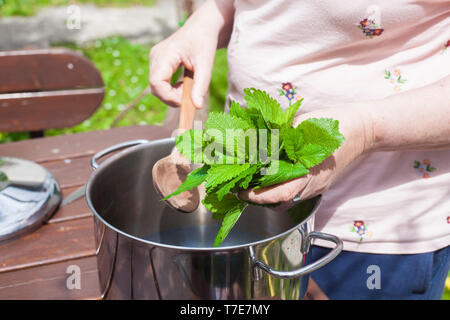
(202, 77)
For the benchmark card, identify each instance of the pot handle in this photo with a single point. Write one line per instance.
(258, 264)
(98, 155)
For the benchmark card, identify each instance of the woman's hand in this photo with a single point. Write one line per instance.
(355, 127)
(194, 46)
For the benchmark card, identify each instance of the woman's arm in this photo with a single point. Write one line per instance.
(215, 16)
(413, 120)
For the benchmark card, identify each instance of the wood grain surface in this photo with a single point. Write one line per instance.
(47, 89)
(34, 266)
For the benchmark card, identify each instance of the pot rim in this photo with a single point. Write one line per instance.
(122, 154)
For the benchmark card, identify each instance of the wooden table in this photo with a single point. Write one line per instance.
(34, 266)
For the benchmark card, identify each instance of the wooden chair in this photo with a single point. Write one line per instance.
(47, 89)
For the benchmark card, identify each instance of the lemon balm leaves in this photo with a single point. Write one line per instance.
(228, 222)
(228, 208)
(299, 149)
(245, 114)
(261, 102)
(293, 142)
(322, 131)
(290, 112)
(280, 171)
(312, 154)
(224, 122)
(191, 144)
(321, 137)
(220, 173)
(228, 186)
(269, 108)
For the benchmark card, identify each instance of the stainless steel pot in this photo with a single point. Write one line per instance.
(146, 250)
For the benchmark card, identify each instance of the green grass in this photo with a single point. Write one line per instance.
(124, 68)
(30, 7)
(219, 82)
(446, 295)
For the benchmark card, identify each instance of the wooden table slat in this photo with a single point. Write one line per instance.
(75, 210)
(50, 281)
(79, 145)
(70, 173)
(51, 243)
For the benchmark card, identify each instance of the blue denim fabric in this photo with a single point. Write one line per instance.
(352, 275)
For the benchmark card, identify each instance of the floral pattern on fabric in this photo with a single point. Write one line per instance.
(446, 46)
(289, 91)
(448, 219)
(361, 229)
(395, 78)
(237, 34)
(424, 168)
(370, 28)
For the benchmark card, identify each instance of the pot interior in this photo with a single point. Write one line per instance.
(122, 194)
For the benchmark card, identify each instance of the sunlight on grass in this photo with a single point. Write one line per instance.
(30, 7)
(124, 68)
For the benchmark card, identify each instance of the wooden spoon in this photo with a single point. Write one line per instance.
(170, 172)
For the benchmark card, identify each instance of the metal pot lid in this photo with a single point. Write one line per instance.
(29, 195)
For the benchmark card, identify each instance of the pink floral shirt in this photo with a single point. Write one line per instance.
(328, 52)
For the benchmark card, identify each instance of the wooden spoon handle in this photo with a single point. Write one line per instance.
(187, 111)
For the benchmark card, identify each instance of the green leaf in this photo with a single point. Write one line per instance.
(190, 144)
(220, 207)
(194, 179)
(237, 111)
(298, 149)
(269, 108)
(261, 124)
(400, 80)
(293, 142)
(230, 219)
(321, 138)
(220, 173)
(290, 112)
(229, 127)
(312, 154)
(416, 164)
(226, 187)
(229, 209)
(281, 171)
(247, 179)
(224, 122)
